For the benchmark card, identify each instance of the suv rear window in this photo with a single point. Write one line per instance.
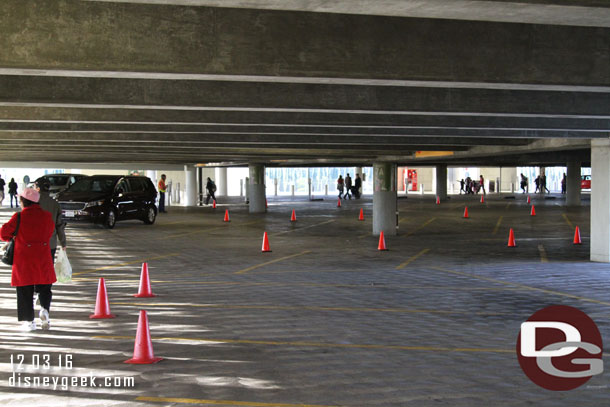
(94, 184)
(57, 180)
(137, 184)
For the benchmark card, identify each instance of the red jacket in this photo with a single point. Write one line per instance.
(32, 263)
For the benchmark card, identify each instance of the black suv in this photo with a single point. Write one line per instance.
(109, 198)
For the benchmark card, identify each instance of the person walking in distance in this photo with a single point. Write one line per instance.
(543, 187)
(357, 186)
(12, 191)
(210, 187)
(482, 184)
(32, 265)
(162, 189)
(340, 186)
(348, 186)
(524, 182)
(563, 184)
(2, 183)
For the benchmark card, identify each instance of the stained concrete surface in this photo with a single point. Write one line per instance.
(324, 319)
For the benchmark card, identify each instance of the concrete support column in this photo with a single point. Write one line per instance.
(191, 185)
(384, 199)
(441, 181)
(600, 200)
(221, 181)
(152, 174)
(573, 184)
(256, 189)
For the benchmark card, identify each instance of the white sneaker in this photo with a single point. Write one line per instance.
(28, 326)
(45, 321)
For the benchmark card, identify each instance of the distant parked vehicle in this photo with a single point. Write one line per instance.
(61, 182)
(109, 198)
(585, 182)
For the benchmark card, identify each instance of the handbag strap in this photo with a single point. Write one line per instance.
(17, 228)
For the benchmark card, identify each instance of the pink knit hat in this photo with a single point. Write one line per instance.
(30, 194)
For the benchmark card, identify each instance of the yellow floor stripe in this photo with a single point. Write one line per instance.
(242, 271)
(412, 259)
(317, 344)
(429, 221)
(497, 225)
(543, 257)
(508, 205)
(303, 228)
(565, 217)
(522, 286)
(302, 308)
(223, 402)
(127, 263)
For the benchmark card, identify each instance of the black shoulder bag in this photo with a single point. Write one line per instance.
(9, 249)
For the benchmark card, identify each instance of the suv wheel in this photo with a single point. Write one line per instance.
(110, 219)
(150, 216)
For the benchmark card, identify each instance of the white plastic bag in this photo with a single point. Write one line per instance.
(63, 269)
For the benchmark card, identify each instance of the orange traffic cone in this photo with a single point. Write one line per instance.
(482, 198)
(511, 238)
(381, 245)
(438, 200)
(214, 204)
(529, 201)
(361, 216)
(533, 211)
(466, 212)
(339, 203)
(102, 307)
(293, 218)
(577, 236)
(266, 243)
(226, 219)
(144, 291)
(142, 348)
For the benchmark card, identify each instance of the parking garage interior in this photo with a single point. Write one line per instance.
(272, 100)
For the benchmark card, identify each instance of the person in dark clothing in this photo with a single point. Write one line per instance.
(537, 181)
(543, 184)
(357, 186)
(348, 186)
(524, 183)
(563, 184)
(462, 184)
(2, 183)
(210, 187)
(43, 185)
(12, 191)
(162, 189)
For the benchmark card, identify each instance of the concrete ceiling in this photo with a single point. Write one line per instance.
(176, 82)
(591, 13)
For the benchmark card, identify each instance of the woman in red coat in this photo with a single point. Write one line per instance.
(32, 263)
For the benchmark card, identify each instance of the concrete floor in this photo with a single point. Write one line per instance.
(325, 319)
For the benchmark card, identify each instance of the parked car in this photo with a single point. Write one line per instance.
(61, 182)
(109, 198)
(585, 182)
